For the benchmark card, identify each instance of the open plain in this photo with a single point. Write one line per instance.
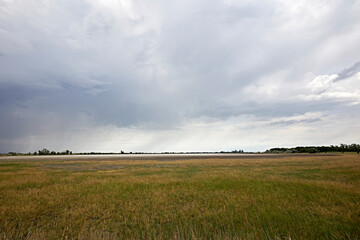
(210, 196)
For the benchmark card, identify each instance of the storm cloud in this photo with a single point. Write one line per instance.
(93, 75)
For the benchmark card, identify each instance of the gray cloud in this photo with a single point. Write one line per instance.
(71, 70)
(348, 72)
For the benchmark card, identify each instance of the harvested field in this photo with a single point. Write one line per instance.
(220, 196)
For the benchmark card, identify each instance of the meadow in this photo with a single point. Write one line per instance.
(229, 196)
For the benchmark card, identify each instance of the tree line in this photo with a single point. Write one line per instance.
(300, 149)
(315, 149)
(43, 151)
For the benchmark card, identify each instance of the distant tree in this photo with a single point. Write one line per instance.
(354, 147)
(313, 150)
(357, 148)
(44, 151)
(342, 147)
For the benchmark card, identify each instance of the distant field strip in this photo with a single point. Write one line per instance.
(219, 196)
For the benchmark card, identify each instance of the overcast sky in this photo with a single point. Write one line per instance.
(190, 75)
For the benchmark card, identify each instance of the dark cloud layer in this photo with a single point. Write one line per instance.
(161, 76)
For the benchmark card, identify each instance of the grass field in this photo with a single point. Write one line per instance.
(166, 197)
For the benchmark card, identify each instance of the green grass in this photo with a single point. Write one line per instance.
(314, 197)
(12, 167)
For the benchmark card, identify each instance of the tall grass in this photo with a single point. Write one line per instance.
(316, 197)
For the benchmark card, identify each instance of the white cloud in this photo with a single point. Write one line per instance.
(325, 88)
(322, 83)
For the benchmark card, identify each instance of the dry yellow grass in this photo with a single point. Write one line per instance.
(297, 197)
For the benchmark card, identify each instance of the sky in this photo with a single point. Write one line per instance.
(154, 76)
